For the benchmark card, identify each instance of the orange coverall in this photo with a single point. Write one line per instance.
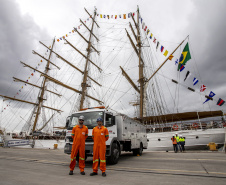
(100, 136)
(174, 140)
(79, 136)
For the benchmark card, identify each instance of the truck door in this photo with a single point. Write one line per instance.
(111, 126)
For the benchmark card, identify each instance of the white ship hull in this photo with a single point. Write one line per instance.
(195, 139)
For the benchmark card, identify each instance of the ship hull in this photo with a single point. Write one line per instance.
(195, 139)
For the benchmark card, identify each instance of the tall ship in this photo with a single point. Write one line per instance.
(115, 62)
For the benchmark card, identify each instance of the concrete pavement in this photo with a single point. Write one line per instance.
(46, 166)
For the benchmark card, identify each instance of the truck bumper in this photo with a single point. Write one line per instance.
(67, 148)
(88, 149)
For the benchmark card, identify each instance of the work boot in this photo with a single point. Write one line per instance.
(71, 173)
(92, 174)
(82, 173)
(104, 174)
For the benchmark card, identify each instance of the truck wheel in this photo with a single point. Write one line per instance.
(113, 159)
(135, 152)
(140, 150)
(85, 156)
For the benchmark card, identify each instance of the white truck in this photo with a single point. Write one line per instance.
(125, 134)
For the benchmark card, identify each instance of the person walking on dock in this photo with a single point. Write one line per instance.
(178, 142)
(100, 136)
(174, 141)
(79, 134)
(182, 143)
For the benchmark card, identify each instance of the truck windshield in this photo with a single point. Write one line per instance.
(90, 119)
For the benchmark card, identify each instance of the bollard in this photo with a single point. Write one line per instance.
(212, 146)
(55, 146)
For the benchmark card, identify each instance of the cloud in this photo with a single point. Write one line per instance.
(208, 41)
(18, 36)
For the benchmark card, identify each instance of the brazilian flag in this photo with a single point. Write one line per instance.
(185, 56)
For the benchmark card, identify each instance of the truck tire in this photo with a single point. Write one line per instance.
(135, 152)
(113, 159)
(138, 151)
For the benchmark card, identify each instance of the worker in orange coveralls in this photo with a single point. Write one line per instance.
(79, 135)
(100, 136)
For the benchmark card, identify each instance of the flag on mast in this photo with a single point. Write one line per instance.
(187, 75)
(166, 53)
(195, 81)
(170, 57)
(182, 68)
(220, 102)
(212, 94)
(151, 36)
(157, 45)
(185, 56)
(202, 88)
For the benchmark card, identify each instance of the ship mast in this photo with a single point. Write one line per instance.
(84, 82)
(141, 68)
(40, 98)
(143, 82)
(137, 49)
(42, 88)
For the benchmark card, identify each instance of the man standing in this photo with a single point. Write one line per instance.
(79, 134)
(100, 136)
(174, 141)
(182, 143)
(178, 142)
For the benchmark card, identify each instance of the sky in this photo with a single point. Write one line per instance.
(25, 22)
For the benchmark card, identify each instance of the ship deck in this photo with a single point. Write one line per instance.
(47, 166)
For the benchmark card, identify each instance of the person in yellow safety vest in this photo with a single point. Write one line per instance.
(178, 142)
(182, 143)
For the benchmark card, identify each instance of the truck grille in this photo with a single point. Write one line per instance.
(70, 139)
(89, 139)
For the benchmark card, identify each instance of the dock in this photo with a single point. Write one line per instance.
(48, 166)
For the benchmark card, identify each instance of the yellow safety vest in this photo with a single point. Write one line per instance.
(181, 139)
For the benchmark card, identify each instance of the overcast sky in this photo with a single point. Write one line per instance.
(25, 22)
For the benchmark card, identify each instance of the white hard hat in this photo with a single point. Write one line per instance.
(81, 117)
(180, 135)
(173, 134)
(176, 133)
